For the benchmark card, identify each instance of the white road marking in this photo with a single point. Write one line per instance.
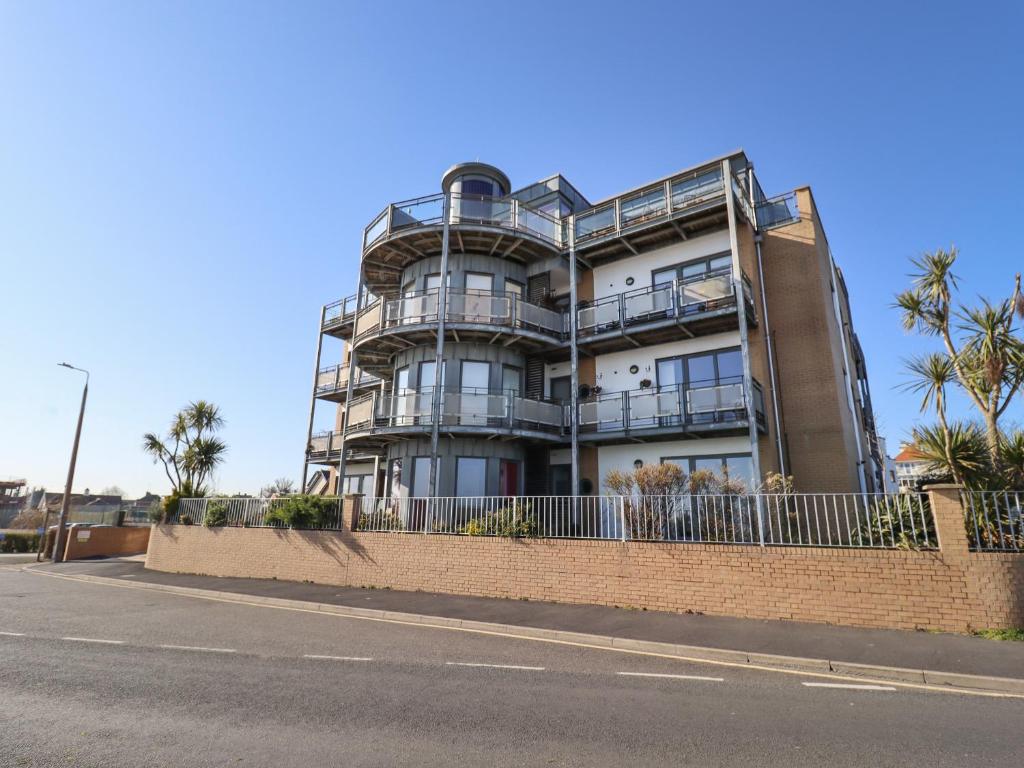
(672, 677)
(492, 666)
(336, 658)
(12, 634)
(851, 687)
(94, 640)
(128, 575)
(198, 648)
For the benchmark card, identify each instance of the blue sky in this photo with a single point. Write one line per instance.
(182, 185)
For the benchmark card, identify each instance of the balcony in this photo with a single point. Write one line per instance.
(394, 415)
(325, 448)
(469, 314)
(694, 306)
(332, 382)
(338, 318)
(778, 211)
(674, 209)
(660, 412)
(407, 231)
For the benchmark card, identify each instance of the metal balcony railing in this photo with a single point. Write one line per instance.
(492, 308)
(334, 378)
(680, 193)
(502, 212)
(466, 407)
(778, 211)
(678, 300)
(339, 312)
(705, 403)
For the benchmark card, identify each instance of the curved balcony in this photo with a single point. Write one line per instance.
(411, 230)
(339, 317)
(385, 416)
(694, 306)
(659, 412)
(394, 323)
(677, 208)
(325, 448)
(332, 382)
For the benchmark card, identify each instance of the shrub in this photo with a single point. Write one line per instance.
(216, 514)
(186, 520)
(19, 542)
(304, 512)
(513, 522)
(385, 520)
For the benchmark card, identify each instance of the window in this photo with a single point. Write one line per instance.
(474, 387)
(478, 187)
(739, 467)
(476, 281)
(357, 484)
(693, 270)
(508, 478)
(475, 375)
(470, 476)
(513, 288)
(711, 384)
(511, 380)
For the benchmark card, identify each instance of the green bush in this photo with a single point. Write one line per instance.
(386, 520)
(304, 512)
(20, 542)
(513, 522)
(216, 514)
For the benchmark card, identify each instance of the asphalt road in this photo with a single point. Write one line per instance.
(95, 675)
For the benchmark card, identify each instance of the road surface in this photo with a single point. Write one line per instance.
(94, 675)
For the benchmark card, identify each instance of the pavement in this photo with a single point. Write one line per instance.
(889, 654)
(93, 674)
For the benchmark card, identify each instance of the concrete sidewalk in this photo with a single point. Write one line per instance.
(837, 646)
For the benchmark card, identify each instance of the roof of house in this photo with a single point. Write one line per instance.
(909, 453)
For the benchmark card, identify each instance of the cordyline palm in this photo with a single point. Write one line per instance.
(190, 452)
(958, 449)
(932, 374)
(989, 364)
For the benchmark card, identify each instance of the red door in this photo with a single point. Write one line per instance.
(508, 478)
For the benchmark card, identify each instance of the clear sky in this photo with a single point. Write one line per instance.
(183, 184)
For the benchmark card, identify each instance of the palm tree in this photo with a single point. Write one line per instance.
(989, 358)
(959, 450)
(190, 452)
(932, 373)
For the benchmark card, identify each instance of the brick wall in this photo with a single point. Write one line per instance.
(106, 542)
(951, 590)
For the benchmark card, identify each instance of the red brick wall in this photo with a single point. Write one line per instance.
(951, 591)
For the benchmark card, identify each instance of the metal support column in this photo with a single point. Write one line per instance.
(574, 357)
(442, 310)
(741, 313)
(351, 382)
(312, 400)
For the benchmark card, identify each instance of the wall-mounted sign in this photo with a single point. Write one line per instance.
(83, 534)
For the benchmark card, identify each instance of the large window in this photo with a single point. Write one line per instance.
(710, 384)
(693, 270)
(358, 484)
(470, 476)
(738, 467)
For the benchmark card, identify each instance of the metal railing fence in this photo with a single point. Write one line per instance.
(994, 520)
(893, 521)
(305, 512)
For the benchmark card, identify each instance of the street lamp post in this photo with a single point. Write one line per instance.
(58, 541)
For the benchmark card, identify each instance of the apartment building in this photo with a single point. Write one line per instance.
(527, 341)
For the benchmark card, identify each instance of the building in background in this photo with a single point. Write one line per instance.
(527, 341)
(911, 468)
(12, 500)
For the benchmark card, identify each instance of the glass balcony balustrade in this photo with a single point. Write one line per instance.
(465, 407)
(678, 299)
(681, 406)
(501, 212)
(334, 378)
(491, 308)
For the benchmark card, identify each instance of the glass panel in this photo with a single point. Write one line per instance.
(514, 288)
(479, 282)
(470, 477)
(730, 365)
(402, 378)
(475, 376)
(510, 379)
(699, 268)
(398, 490)
(741, 468)
(721, 262)
(431, 282)
(712, 464)
(664, 276)
(670, 372)
(421, 476)
(700, 368)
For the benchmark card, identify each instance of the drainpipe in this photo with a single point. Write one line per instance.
(312, 400)
(574, 357)
(442, 310)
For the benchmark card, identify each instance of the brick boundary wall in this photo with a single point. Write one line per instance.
(951, 589)
(107, 542)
